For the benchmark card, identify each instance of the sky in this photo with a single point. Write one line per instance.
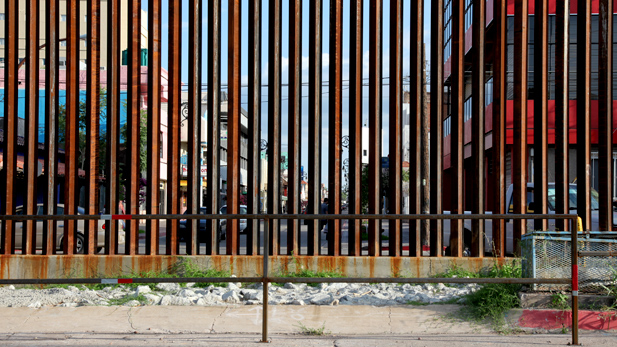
(305, 61)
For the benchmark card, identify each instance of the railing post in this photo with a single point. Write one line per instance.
(266, 255)
(575, 230)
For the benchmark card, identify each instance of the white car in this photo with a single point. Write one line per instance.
(79, 236)
(223, 222)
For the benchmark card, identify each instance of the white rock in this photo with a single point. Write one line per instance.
(321, 299)
(141, 290)
(35, 305)
(201, 302)
(153, 299)
(168, 287)
(132, 303)
(298, 302)
(11, 287)
(186, 293)
(290, 286)
(165, 300)
(231, 297)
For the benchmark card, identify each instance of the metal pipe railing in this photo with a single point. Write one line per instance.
(265, 279)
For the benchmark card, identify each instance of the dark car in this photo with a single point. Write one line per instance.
(183, 230)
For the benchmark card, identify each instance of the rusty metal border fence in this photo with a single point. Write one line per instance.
(575, 222)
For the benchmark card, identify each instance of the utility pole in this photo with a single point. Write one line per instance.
(425, 224)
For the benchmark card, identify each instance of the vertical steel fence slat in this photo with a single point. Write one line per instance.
(32, 118)
(113, 125)
(71, 126)
(562, 96)
(477, 125)
(355, 126)
(51, 122)
(314, 151)
(153, 122)
(583, 111)
(436, 126)
(416, 108)
(335, 125)
(254, 123)
(457, 121)
(519, 162)
(233, 127)
(9, 146)
(540, 114)
(93, 106)
(132, 152)
(499, 122)
(194, 125)
(375, 111)
(295, 125)
(395, 125)
(274, 121)
(214, 110)
(173, 142)
(605, 114)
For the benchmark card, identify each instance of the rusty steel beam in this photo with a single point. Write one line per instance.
(416, 107)
(562, 93)
(583, 112)
(113, 125)
(375, 111)
(274, 120)
(194, 125)
(233, 127)
(499, 125)
(335, 116)
(314, 151)
(32, 124)
(477, 126)
(154, 123)
(457, 120)
(540, 113)
(93, 107)
(295, 125)
(214, 129)
(254, 122)
(71, 126)
(355, 126)
(436, 126)
(133, 124)
(605, 116)
(173, 140)
(51, 122)
(9, 146)
(519, 158)
(395, 126)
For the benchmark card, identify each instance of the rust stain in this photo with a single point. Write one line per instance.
(395, 266)
(371, 266)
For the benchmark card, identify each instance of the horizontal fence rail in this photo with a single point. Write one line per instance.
(265, 279)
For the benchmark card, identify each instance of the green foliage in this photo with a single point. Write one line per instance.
(304, 330)
(494, 299)
(458, 272)
(560, 301)
(192, 270)
(305, 273)
(121, 301)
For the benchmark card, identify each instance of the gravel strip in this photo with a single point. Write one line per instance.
(380, 294)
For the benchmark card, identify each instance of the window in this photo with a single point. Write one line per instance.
(1, 16)
(1, 42)
(447, 126)
(161, 145)
(86, 18)
(467, 110)
(364, 153)
(468, 13)
(488, 92)
(447, 31)
(63, 18)
(63, 43)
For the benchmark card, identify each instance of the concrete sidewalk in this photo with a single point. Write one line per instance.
(434, 325)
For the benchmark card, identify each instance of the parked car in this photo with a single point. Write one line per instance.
(79, 236)
(203, 222)
(530, 223)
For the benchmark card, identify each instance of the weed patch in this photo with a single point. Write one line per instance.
(304, 330)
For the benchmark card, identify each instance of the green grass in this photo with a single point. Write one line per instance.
(493, 300)
(560, 301)
(121, 301)
(304, 330)
(309, 274)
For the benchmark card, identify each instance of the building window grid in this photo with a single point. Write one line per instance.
(468, 13)
(1, 16)
(488, 92)
(467, 109)
(447, 126)
(447, 50)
